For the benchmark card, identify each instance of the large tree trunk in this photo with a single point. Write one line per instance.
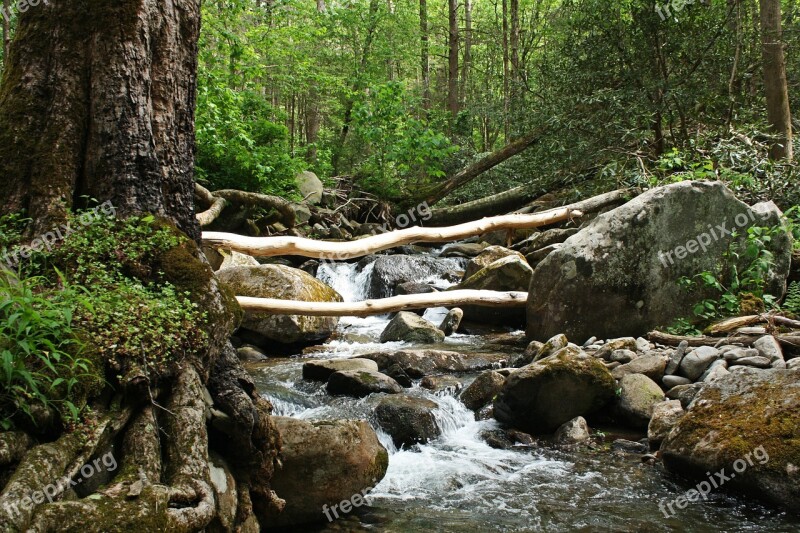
(775, 85)
(98, 100)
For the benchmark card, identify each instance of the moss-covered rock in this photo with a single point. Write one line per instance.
(750, 426)
(286, 283)
(539, 397)
(407, 419)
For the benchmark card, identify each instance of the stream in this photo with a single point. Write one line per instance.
(459, 483)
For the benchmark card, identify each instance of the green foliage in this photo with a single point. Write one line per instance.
(41, 358)
(404, 153)
(11, 227)
(791, 304)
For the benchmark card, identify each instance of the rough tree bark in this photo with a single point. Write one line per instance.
(98, 100)
(775, 85)
(452, 70)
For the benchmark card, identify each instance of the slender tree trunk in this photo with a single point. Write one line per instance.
(506, 74)
(425, 66)
(6, 30)
(467, 64)
(775, 85)
(515, 67)
(452, 72)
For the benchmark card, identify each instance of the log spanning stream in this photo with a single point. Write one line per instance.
(458, 482)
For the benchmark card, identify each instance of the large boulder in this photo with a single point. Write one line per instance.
(538, 398)
(637, 398)
(410, 327)
(419, 363)
(286, 283)
(748, 425)
(321, 370)
(388, 271)
(510, 273)
(408, 420)
(323, 464)
(627, 262)
(666, 415)
(482, 390)
(310, 187)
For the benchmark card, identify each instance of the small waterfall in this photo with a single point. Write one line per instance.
(346, 279)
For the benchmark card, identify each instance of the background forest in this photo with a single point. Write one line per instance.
(397, 94)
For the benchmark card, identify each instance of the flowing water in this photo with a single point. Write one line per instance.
(458, 483)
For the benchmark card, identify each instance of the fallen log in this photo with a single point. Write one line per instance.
(218, 200)
(703, 340)
(496, 204)
(334, 251)
(384, 305)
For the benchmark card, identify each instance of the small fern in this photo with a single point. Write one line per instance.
(792, 302)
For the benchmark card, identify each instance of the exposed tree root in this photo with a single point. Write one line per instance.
(13, 445)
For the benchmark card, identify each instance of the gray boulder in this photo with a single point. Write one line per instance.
(748, 425)
(695, 362)
(323, 464)
(418, 363)
(451, 321)
(482, 390)
(487, 257)
(651, 366)
(321, 370)
(573, 432)
(285, 283)
(388, 271)
(510, 273)
(539, 397)
(627, 262)
(638, 396)
(410, 327)
(310, 187)
(360, 383)
(665, 416)
(408, 420)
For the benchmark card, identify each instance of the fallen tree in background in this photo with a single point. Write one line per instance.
(384, 305)
(218, 200)
(332, 250)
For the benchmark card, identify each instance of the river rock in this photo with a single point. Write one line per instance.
(324, 463)
(285, 283)
(695, 362)
(487, 257)
(624, 343)
(464, 249)
(550, 347)
(388, 271)
(623, 356)
(573, 432)
(418, 363)
(684, 393)
(321, 370)
(441, 383)
(510, 273)
(408, 420)
(674, 381)
(526, 358)
(665, 416)
(638, 395)
(310, 187)
(748, 425)
(399, 375)
(675, 359)
(539, 397)
(734, 353)
(482, 390)
(793, 363)
(451, 321)
(769, 347)
(413, 287)
(360, 383)
(757, 362)
(235, 259)
(410, 327)
(619, 275)
(651, 366)
(251, 354)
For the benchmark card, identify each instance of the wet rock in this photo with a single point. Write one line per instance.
(408, 420)
(398, 374)
(748, 425)
(389, 271)
(482, 390)
(360, 383)
(413, 287)
(634, 256)
(628, 446)
(526, 358)
(506, 439)
(487, 257)
(441, 383)
(321, 370)
(251, 354)
(665, 416)
(573, 432)
(323, 464)
(684, 393)
(695, 362)
(624, 343)
(651, 366)
(286, 283)
(418, 363)
(225, 492)
(538, 398)
(452, 321)
(410, 327)
(638, 396)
